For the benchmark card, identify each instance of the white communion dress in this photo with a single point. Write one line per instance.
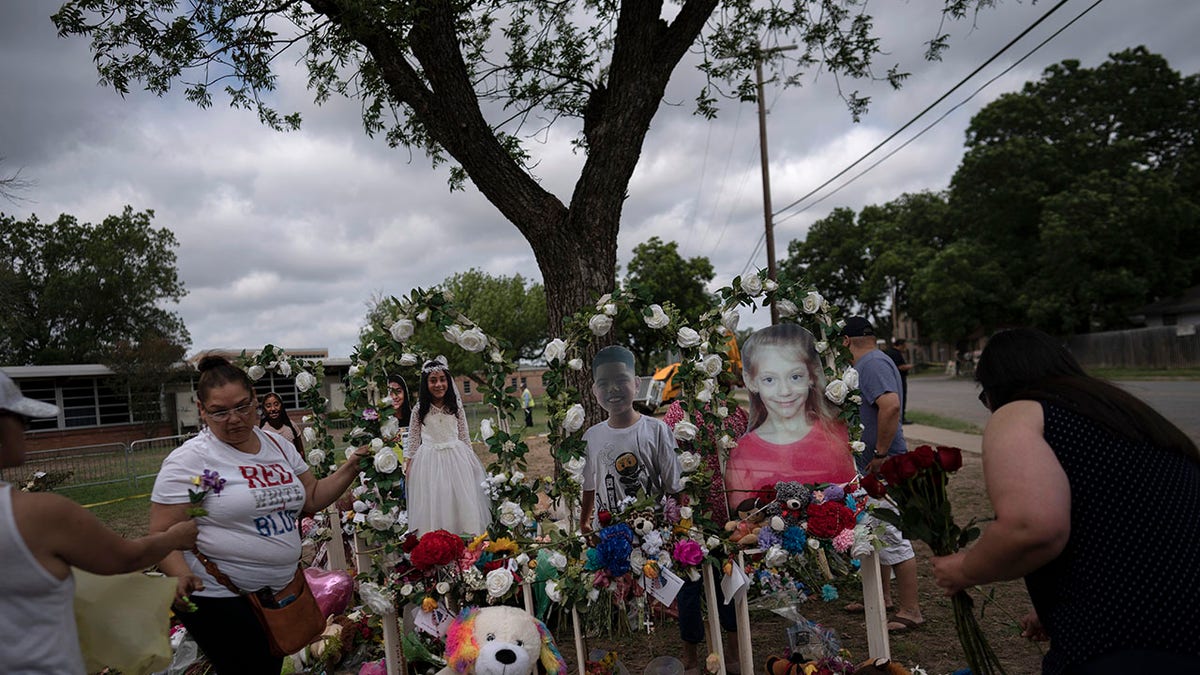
(445, 480)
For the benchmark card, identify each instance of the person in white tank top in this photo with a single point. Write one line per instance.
(42, 536)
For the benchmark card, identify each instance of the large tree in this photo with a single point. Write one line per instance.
(83, 293)
(658, 274)
(463, 79)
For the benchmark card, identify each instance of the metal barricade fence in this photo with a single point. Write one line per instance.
(86, 465)
(146, 455)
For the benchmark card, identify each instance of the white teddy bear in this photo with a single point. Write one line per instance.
(500, 641)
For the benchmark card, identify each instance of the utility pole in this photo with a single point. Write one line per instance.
(766, 169)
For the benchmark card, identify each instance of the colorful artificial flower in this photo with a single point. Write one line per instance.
(826, 520)
(438, 547)
(794, 539)
(687, 552)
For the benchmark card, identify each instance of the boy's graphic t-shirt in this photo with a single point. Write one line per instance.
(621, 462)
(252, 529)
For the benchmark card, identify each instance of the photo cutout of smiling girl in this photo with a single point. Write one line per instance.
(794, 432)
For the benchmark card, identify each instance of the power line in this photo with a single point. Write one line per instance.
(944, 115)
(921, 114)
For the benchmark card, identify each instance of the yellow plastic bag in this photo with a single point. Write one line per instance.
(123, 621)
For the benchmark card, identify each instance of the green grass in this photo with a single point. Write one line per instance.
(1146, 373)
(948, 423)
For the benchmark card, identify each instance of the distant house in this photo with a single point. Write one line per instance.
(527, 376)
(1181, 310)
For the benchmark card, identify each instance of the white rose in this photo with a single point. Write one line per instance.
(687, 337)
(316, 457)
(390, 428)
(858, 447)
(814, 543)
(511, 514)
(522, 560)
(573, 420)
(379, 520)
(850, 377)
(575, 364)
(496, 356)
(558, 560)
(376, 443)
(354, 370)
(704, 395)
(822, 346)
(770, 285)
(407, 359)
(775, 557)
(689, 461)
(812, 302)
(657, 319)
(556, 349)
(685, 512)
(574, 466)
(402, 329)
(786, 307)
(452, 333)
(473, 340)
(375, 598)
(712, 542)
(309, 434)
(837, 391)
(360, 506)
(610, 309)
(722, 412)
(256, 372)
(423, 316)
(498, 582)
(386, 461)
(712, 365)
(517, 476)
(602, 301)
(728, 442)
(485, 429)
(729, 319)
(600, 324)
(442, 587)
(685, 430)
(406, 589)
(552, 591)
(285, 368)
(752, 284)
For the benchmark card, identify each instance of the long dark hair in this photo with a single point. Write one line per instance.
(1027, 364)
(449, 401)
(283, 415)
(405, 410)
(217, 371)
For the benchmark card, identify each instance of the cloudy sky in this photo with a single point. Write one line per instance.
(285, 236)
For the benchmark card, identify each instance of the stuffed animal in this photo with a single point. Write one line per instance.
(791, 498)
(794, 665)
(744, 531)
(500, 641)
(880, 667)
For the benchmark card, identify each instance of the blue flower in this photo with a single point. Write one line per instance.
(594, 560)
(829, 593)
(851, 502)
(794, 539)
(616, 544)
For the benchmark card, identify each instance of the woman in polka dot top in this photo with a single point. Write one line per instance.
(1097, 501)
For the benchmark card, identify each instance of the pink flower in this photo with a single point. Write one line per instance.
(844, 540)
(687, 552)
(370, 414)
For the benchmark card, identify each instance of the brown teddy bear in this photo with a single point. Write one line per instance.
(744, 530)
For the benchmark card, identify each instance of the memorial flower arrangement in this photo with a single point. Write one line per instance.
(915, 484)
(210, 481)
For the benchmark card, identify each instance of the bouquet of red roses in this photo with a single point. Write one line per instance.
(916, 485)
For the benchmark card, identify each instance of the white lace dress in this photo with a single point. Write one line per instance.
(445, 479)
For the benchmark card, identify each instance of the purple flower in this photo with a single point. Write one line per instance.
(671, 510)
(211, 481)
(834, 493)
(767, 538)
(370, 414)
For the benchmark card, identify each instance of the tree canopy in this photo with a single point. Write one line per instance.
(471, 81)
(1075, 203)
(658, 274)
(83, 293)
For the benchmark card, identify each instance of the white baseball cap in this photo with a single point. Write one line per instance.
(11, 400)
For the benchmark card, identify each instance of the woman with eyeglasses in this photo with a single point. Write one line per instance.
(1097, 500)
(251, 531)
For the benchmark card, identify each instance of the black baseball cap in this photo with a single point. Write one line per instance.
(857, 326)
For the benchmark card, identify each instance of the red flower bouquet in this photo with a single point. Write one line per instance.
(438, 547)
(827, 519)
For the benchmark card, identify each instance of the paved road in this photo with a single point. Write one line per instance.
(1178, 401)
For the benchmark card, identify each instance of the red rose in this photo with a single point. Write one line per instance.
(891, 470)
(923, 457)
(604, 517)
(409, 542)
(492, 565)
(905, 466)
(874, 487)
(827, 519)
(437, 548)
(950, 459)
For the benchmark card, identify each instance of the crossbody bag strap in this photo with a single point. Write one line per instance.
(214, 572)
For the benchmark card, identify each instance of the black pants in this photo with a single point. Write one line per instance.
(230, 635)
(529, 417)
(691, 618)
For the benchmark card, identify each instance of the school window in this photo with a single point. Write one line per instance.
(284, 386)
(85, 402)
(514, 382)
(466, 386)
(524, 381)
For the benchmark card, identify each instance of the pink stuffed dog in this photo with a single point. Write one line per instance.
(500, 641)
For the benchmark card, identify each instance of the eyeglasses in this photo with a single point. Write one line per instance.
(243, 411)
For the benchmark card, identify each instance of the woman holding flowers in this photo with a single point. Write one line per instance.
(1097, 498)
(249, 488)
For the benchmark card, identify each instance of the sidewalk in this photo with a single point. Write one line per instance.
(920, 434)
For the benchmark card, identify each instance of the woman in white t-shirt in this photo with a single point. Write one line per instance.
(251, 531)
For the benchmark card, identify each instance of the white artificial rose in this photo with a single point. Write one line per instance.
(390, 428)
(376, 443)
(602, 301)
(728, 442)
(575, 364)
(712, 365)
(485, 429)
(573, 420)
(600, 324)
(406, 589)
(822, 346)
(285, 368)
(610, 309)
(499, 581)
(722, 412)
(423, 316)
(256, 372)
(812, 302)
(856, 399)
(687, 337)
(837, 391)
(407, 359)
(814, 543)
(574, 466)
(689, 461)
(593, 595)
(776, 556)
(685, 513)
(770, 285)
(558, 560)
(380, 520)
(786, 307)
(316, 457)
(552, 591)
(473, 340)
(556, 349)
(704, 395)
(375, 598)
(517, 476)
(522, 560)
(511, 514)
(309, 434)
(712, 542)
(442, 587)
(850, 377)
(360, 506)
(752, 284)
(730, 318)
(402, 329)
(496, 356)
(685, 430)
(858, 447)
(354, 370)
(452, 333)
(386, 461)
(657, 319)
